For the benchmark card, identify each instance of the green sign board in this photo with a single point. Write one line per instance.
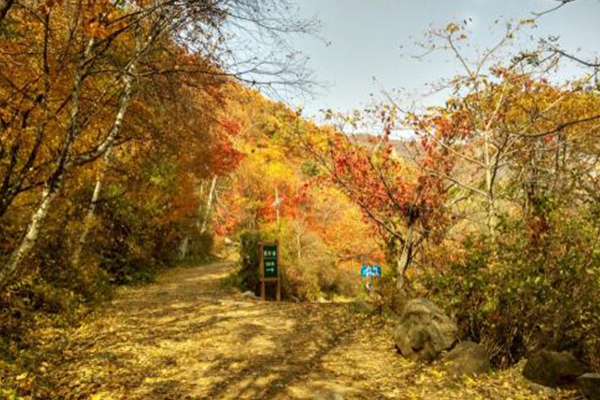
(270, 261)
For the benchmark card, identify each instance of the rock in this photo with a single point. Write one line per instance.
(589, 386)
(553, 369)
(467, 358)
(424, 331)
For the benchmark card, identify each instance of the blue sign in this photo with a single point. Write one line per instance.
(370, 270)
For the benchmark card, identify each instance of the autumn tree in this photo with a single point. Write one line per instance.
(498, 115)
(404, 203)
(91, 60)
(98, 27)
(525, 163)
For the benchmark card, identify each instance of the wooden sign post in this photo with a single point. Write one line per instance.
(269, 268)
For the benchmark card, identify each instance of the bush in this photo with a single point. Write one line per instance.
(131, 242)
(308, 269)
(520, 293)
(249, 276)
(387, 296)
(200, 247)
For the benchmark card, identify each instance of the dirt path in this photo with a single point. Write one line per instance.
(187, 338)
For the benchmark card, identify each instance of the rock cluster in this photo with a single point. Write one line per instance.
(553, 369)
(424, 331)
(589, 386)
(467, 358)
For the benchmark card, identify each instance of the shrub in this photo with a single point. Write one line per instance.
(248, 272)
(387, 296)
(516, 293)
(308, 268)
(201, 246)
(131, 242)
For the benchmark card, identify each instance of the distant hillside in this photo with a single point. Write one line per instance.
(405, 148)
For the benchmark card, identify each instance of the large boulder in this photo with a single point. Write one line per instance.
(467, 358)
(553, 369)
(424, 331)
(589, 386)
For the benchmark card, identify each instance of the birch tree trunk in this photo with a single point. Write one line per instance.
(90, 215)
(201, 223)
(31, 235)
(209, 201)
(277, 204)
(114, 132)
(183, 248)
(298, 240)
(53, 184)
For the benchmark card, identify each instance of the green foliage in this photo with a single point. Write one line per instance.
(200, 247)
(387, 296)
(527, 289)
(131, 242)
(310, 168)
(304, 270)
(128, 244)
(249, 277)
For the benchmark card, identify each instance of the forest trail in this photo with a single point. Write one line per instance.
(186, 337)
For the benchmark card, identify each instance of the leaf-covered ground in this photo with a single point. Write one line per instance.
(186, 337)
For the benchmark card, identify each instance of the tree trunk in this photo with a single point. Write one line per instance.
(90, 215)
(277, 204)
(489, 185)
(298, 240)
(183, 248)
(53, 184)
(405, 258)
(209, 201)
(31, 235)
(114, 132)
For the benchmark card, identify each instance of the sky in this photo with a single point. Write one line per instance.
(367, 46)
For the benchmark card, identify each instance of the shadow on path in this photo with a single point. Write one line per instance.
(186, 338)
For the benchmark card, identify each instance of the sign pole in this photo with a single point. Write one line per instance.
(370, 274)
(278, 275)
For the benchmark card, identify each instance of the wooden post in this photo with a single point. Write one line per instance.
(278, 296)
(263, 292)
(264, 279)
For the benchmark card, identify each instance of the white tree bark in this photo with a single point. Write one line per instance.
(31, 235)
(114, 132)
(90, 215)
(183, 248)
(66, 159)
(53, 184)
(209, 201)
